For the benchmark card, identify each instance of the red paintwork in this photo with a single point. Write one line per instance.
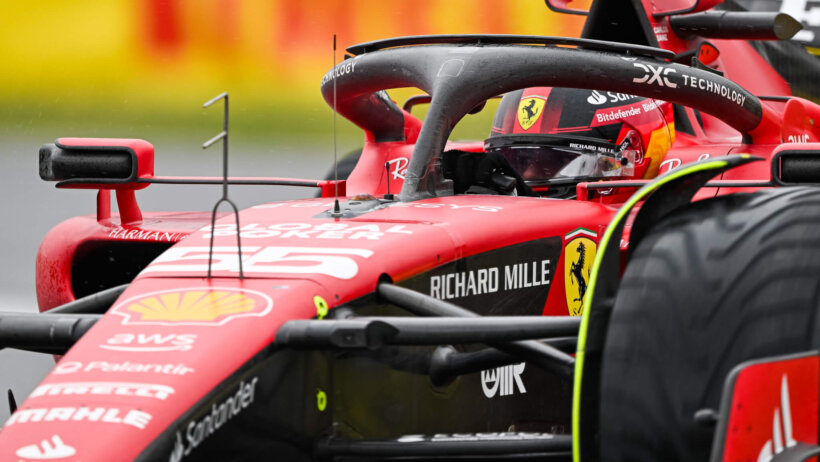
(371, 169)
(207, 358)
(762, 414)
(53, 265)
(439, 230)
(339, 260)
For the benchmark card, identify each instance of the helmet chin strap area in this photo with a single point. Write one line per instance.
(483, 173)
(630, 153)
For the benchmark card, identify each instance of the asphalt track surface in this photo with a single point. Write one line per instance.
(30, 207)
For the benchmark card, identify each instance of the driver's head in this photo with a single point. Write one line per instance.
(549, 134)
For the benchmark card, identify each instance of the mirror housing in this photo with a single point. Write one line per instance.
(97, 163)
(560, 6)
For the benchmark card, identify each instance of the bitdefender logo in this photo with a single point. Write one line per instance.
(503, 381)
(782, 437)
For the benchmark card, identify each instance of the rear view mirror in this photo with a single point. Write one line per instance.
(97, 163)
(670, 7)
(563, 6)
(664, 8)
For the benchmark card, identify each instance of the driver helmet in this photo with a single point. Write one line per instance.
(560, 136)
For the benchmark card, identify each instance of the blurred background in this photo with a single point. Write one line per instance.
(143, 68)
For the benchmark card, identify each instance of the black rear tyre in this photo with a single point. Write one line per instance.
(724, 281)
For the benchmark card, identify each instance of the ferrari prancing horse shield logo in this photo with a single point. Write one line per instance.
(579, 254)
(529, 111)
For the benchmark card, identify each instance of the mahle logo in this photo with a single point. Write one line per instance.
(529, 111)
(195, 306)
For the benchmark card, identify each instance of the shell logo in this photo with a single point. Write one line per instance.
(212, 306)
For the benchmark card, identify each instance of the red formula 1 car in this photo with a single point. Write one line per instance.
(428, 306)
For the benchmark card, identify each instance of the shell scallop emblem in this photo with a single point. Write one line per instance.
(213, 306)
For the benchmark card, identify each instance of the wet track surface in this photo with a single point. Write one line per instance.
(31, 207)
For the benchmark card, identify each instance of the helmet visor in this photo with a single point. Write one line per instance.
(543, 159)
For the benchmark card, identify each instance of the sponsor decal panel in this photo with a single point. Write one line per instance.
(133, 417)
(369, 231)
(782, 433)
(200, 429)
(150, 342)
(131, 234)
(655, 75)
(530, 110)
(798, 138)
(597, 98)
(334, 262)
(398, 166)
(579, 254)
(503, 381)
(212, 306)
(671, 164)
(661, 33)
(514, 279)
(70, 367)
(610, 115)
(343, 68)
(50, 449)
(488, 280)
(142, 390)
(661, 76)
(770, 408)
(613, 115)
(714, 87)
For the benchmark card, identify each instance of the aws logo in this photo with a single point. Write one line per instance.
(213, 306)
(579, 254)
(529, 111)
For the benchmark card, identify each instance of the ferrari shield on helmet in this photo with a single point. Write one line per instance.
(556, 135)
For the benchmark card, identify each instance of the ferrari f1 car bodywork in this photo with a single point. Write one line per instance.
(427, 323)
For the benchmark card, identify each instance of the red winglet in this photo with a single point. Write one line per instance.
(769, 407)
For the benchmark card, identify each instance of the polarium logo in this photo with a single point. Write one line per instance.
(529, 111)
(579, 254)
(212, 306)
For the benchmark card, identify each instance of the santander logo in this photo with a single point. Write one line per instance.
(596, 98)
(782, 437)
